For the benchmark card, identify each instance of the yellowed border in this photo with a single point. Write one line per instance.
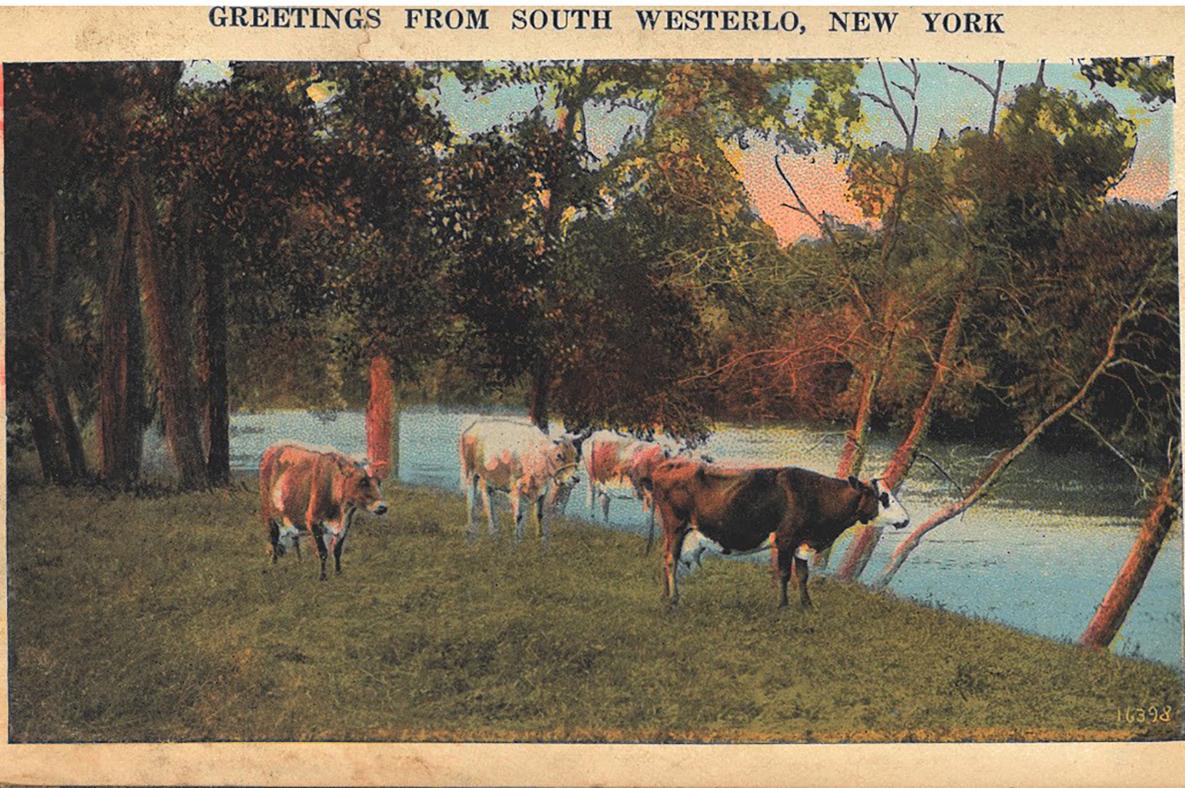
(105, 33)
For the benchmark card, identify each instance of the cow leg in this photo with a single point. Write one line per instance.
(487, 507)
(674, 549)
(322, 549)
(516, 512)
(592, 495)
(273, 532)
(785, 558)
(650, 533)
(337, 552)
(296, 546)
(540, 528)
(802, 570)
(470, 500)
(605, 505)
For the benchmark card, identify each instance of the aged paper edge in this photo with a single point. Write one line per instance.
(114, 33)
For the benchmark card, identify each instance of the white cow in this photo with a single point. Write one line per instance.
(518, 459)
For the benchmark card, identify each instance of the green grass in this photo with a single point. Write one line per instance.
(159, 619)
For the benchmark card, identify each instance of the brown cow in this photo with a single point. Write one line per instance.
(306, 490)
(791, 510)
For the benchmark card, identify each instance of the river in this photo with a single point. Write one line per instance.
(1038, 555)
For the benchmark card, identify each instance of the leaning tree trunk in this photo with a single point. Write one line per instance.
(864, 543)
(1123, 592)
(851, 459)
(120, 419)
(164, 331)
(382, 439)
(992, 473)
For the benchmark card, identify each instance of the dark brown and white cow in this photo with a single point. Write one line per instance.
(520, 460)
(792, 511)
(304, 489)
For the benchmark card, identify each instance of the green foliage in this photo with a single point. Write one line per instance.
(1151, 78)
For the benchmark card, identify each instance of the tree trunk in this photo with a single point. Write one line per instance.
(851, 459)
(182, 433)
(992, 473)
(51, 450)
(57, 407)
(1123, 592)
(864, 543)
(67, 427)
(540, 383)
(381, 440)
(120, 419)
(217, 396)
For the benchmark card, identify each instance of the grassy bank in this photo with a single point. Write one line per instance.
(159, 619)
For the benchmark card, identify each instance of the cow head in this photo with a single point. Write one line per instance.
(361, 490)
(878, 505)
(565, 459)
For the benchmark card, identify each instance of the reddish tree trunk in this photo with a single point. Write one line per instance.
(120, 419)
(865, 541)
(379, 411)
(1123, 592)
(851, 459)
(182, 433)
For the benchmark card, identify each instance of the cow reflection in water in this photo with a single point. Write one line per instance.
(303, 490)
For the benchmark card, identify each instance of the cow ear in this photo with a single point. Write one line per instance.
(852, 480)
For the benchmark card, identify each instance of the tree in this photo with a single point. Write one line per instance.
(994, 203)
(1061, 344)
(733, 101)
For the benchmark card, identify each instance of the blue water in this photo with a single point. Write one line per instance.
(1038, 556)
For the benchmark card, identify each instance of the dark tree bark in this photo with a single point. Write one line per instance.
(63, 429)
(540, 385)
(121, 416)
(182, 433)
(51, 455)
(1123, 592)
(217, 396)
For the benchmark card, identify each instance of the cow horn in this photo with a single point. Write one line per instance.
(579, 438)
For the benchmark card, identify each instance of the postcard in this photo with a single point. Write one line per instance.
(573, 395)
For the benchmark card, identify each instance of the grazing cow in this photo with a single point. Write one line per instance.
(614, 461)
(305, 490)
(792, 511)
(520, 460)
